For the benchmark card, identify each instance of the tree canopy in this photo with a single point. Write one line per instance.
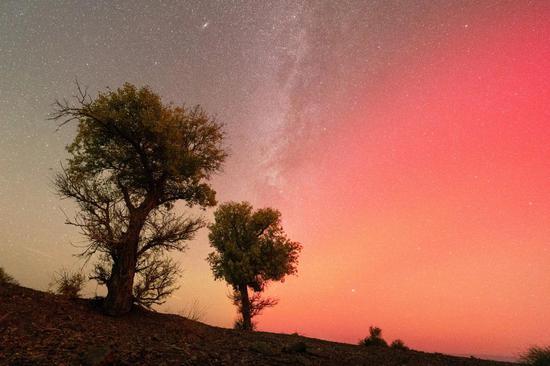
(251, 249)
(133, 157)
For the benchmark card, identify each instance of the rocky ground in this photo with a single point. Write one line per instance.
(38, 328)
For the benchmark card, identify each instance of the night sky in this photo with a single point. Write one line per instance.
(407, 144)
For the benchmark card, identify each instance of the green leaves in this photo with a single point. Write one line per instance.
(130, 137)
(133, 157)
(251, 249)
(250, 246)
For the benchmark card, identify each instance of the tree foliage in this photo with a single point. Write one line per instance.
(133, 157)
(536, 356)
(251, 249)
(399, 344)
(374, 338)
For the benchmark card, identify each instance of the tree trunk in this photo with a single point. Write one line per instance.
(120, 286)
(119, 298)
(245, 307)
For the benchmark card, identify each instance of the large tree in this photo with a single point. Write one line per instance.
(251, 249)
(134, 157)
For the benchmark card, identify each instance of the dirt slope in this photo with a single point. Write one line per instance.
(38, 328)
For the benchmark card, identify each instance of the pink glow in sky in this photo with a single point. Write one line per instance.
(425, 209)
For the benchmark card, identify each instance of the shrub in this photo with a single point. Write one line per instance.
(536, 356)
(6, 278)
(374, 339)
(399, 344)
(68, 284)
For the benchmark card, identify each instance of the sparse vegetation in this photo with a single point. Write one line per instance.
(5, 278)
(398, 344)
(374, 338)
(193, 311)
(38, 328)
(67, 283)
(536, 356)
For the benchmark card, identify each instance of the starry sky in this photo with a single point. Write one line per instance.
(405, 142)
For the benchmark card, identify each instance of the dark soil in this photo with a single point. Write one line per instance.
(38, 328)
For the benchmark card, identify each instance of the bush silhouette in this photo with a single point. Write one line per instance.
(374, 338)
(536, 356)
(399, 344)
(6, 278)
(68, 284)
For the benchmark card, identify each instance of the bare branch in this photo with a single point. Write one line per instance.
(156, 280)
(164, 230)
(257, 303)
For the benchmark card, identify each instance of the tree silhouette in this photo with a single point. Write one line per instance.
(133, 157)
(251, 249)
(536, 356)
(374, 338)
(399, 344)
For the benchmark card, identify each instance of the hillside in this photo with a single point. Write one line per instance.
(41, 328)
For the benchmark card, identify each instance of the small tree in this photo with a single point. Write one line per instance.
(374, 338)
(251, 249)
(134, 157)
(536, 356)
